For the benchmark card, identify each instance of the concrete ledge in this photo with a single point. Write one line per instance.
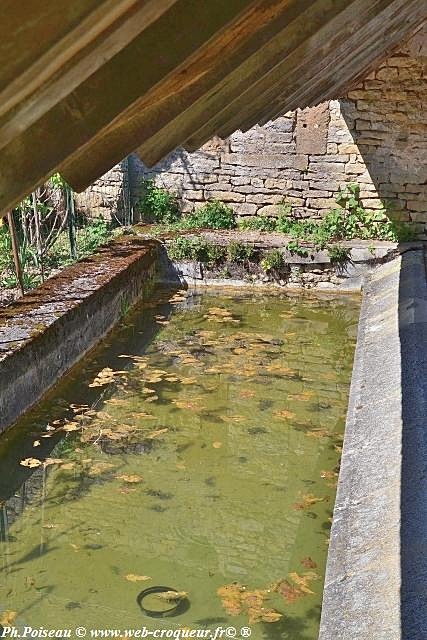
(314, 271)
(376, 577)
(43, 334)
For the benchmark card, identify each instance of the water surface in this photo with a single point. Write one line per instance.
(203, 457)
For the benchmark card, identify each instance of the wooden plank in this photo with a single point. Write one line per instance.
(72, 59)
(163, 114)
(294, 82)
(186, 27)
(302, 20)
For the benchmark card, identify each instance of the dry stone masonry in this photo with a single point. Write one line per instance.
(375, 135)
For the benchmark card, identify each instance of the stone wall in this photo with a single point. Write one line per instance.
(107, 197)
(375, 136)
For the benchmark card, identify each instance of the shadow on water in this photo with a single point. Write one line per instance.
(137, 331)
(413, 344)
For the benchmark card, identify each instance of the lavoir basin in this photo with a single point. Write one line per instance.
(196, 449)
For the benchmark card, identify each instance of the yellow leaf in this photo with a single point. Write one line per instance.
(130, 478)
(31, 463)
(157, 433)
(36, 443)
(7, 618)
(303, 580)
(217, 445)
(71, 426)
(247, 394)
(50, 461)
(131, 577)
(188, 380)
(284, 415)
(307, 501)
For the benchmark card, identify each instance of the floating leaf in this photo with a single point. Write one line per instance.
(157, 433)
(302, 581)
(236, 599)
(31, 463)
(100, 467)
(288, 591)
(131, 479)
(307, 501)
(302, 397)
(36, 443)
(308, 563)
(247, 394)
(231, 599)
(131, 577)
(68, 465)
(269, 615)
(71, 426)
(284, 414)
(50, 461)
(7, 618)
(105, 376)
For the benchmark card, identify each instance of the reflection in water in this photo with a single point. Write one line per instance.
(197, 450)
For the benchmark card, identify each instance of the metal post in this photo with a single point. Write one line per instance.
(71, 222)
(15, 251)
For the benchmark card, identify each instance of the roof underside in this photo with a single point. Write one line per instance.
(84, 84)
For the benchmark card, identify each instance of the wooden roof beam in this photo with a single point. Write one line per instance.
(295, 82)
(303, 20)
(161, 53)
(43, 77)
(163, 114)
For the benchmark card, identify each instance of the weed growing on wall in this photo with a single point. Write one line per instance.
(212, 215)
(184, 248)
(257, 224)
(351, 220)
(157, 204)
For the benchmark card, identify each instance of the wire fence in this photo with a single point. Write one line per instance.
(53, 227)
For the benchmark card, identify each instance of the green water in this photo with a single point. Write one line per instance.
(209, 459)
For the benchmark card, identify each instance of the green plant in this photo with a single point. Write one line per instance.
(124, 305)
(157, 204)
(349, 220)
(273, 260)
(212, 215)
(183, 248)
(240, 252)
(253, 223)
(295, 247)
(339, 254)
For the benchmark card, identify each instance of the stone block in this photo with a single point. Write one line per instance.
(311, 131)
(224, 196)
(264, 160)
(245, 209)
(355, 168)
(194, 195)
(274, 183)
(263, 198)
(348, 148)
(417, 205)
(387, 74)
(270, 210)
(322, 203)
(219, 186)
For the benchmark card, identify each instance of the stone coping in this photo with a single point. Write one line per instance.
(44, 333)
(375, 583)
